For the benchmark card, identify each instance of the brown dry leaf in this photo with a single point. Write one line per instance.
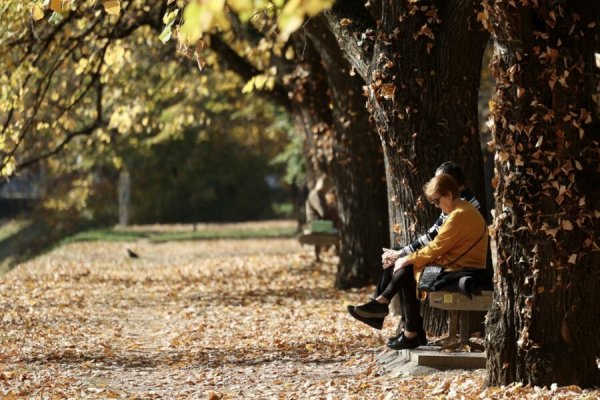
(345, 21)
(426, 31)
(567, 225)
(388, 90)
(495, 181)
(212, 395)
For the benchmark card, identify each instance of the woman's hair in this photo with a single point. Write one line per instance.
(441, 185)
(451, 168)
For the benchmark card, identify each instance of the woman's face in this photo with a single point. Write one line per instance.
(445, 202)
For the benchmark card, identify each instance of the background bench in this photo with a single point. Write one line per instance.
(319, 240)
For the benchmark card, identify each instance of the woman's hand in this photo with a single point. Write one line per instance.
(388, 257)
(401, 263)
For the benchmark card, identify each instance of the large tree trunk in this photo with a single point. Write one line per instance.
(543, 327)
(431, 114)
(357, 168)
(340, 142)
(422, 81)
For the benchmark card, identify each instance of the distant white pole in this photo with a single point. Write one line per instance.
(124, 197)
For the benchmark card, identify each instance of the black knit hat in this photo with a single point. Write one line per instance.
(451, 168)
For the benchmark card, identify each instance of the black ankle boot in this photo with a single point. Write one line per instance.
(420, 334)
(372, 309)
(404, 343)
(376, 323)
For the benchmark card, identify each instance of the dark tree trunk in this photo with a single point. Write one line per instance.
(431, 116)
(339, 141)
(544, 325)
(422, 79)
(308, 90)
(357, 168)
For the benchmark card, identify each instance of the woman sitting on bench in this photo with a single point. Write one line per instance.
(457, 246)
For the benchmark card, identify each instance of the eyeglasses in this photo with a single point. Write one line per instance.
(435, 201)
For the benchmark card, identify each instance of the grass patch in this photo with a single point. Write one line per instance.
(23, 240)
(11, 227)
(125, 235)
(106, 235)
(223, 234)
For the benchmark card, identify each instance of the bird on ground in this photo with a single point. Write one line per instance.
(132, 253)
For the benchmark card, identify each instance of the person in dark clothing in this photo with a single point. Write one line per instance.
(321, 206)
(390, 256)
(318, 206)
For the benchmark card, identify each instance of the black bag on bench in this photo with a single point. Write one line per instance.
(428, 277)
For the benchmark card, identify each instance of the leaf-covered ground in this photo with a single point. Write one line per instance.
(201, 319)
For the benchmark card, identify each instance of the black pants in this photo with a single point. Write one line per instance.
(402, 283)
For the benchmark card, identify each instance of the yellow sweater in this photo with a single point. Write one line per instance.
(461, 230)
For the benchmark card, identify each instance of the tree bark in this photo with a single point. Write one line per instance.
(422, 72)
(339, 141)
(357, 168)
(543, 326)
(308, 91)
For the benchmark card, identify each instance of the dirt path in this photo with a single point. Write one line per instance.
(203, 319)
(240, 318)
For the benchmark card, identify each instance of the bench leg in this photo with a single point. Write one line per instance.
(465, 327)
(453, 325)
(449, 341)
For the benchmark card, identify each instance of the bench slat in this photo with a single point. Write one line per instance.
(460, 302)
(319, 239)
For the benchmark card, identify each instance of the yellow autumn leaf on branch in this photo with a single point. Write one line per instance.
(60, 6)
(241, 6)
(36, 12)
(260, 81)
(293, 14)
(249, 86)
(112, 7)
(114, 55)
(200, 17)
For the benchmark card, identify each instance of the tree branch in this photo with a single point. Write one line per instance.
(88, 130)
(349, 22)
(234, 62)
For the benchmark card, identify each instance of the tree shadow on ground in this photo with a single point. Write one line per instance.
(205, 358)
(267, 296)
(33, 239)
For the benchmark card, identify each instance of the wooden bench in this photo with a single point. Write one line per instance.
(320, 239)
(460, 306)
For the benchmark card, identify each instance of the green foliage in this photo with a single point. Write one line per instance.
(97, 92)
(124, 235)
(293, 160)
(195, 178)
(212, 166)
(104, 101)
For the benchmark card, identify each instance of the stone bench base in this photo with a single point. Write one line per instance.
(427, 359)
